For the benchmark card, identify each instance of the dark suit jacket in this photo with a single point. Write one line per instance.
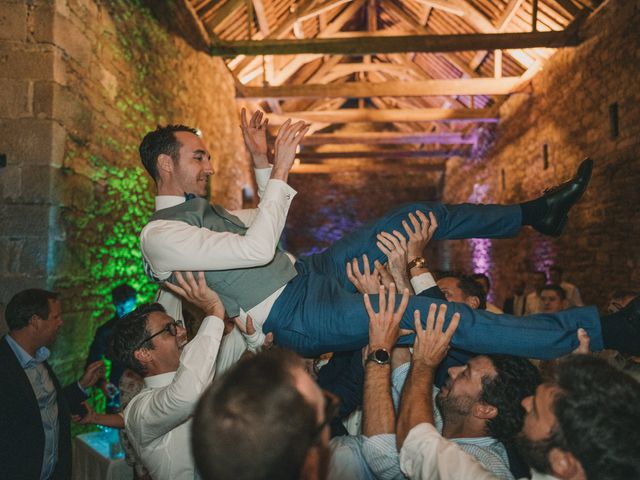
(100, 347)
(21, 430)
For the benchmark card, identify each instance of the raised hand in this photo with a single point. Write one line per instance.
(385, 276)
(254, 133)
(432, 343)
(287, 141)
(249, 330)
(395, 248)
(365, 282)
(198, 293)
(419, 232)
(384, 325)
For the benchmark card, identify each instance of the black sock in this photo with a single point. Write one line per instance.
(621, 331)
(533, 210)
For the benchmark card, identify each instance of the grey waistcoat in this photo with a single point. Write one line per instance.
(240, 287)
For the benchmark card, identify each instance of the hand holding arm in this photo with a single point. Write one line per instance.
(254, 133)
(365, 282)
(429, 349)
(256, 341)
(113, 420)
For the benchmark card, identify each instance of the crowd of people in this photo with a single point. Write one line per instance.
(361, 362)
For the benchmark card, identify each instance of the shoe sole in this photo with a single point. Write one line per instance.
(589, 164)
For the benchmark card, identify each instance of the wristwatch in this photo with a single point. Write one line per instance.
(416, 262)
(380, 356)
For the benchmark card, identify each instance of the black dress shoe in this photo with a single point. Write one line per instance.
(621, 330)
(561, 198)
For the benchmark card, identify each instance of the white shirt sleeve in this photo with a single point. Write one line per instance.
(169, 245)
(426, 455)
(422, 282)
(248, 215)
(156, 412)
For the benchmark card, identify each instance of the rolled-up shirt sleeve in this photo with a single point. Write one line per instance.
(426, 455)
(169, 245)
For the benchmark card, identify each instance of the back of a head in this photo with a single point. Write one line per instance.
(516, 378)
(122, 293)
(598, 418)
(253, 423)
(26, 304)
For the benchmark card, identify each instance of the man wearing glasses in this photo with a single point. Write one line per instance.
(150, 342)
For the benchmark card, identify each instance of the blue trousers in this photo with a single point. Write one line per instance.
(320, 310)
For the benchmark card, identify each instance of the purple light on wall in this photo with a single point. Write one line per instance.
(543, 253)
(481, 261)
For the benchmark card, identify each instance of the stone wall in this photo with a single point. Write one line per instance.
(566, 108)
(81, 82)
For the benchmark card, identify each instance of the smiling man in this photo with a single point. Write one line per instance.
(150, 342)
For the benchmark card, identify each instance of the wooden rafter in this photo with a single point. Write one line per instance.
(406, 43)
(355, 115)
(467, 86)
(371, 154)
(389, 138)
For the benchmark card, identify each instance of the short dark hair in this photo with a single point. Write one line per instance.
(161, 141)
(122, 293)
(556, 288)
(482, 276)
(26, 304)
(598, 419)
(128, 334)
(469, 286)
(515, 380)
(253, 423)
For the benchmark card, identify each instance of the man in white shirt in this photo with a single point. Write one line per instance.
(583, 425)
(158, 419)
(533, 301)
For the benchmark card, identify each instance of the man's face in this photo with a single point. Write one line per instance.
(464, 387)
(166, 347)
(450, 287)
(48, 328)
(193, 168)
(535, 440)
(551, 301)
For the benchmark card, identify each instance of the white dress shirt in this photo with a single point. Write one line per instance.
(426, 455)
(170, 245)
(158, 419)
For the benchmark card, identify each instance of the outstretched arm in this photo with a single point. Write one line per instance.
(430, 348)
(169, 246)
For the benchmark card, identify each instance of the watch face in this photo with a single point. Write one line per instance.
(381, 356)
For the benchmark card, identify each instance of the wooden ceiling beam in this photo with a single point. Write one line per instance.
(466, 86)
(366, 115)
(406, 43)
(398, 168)
(376, 154)
(389, 138)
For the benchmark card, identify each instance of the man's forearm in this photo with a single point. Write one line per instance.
(378, 413)
(416, 405)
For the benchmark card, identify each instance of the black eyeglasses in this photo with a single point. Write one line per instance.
(171, 327)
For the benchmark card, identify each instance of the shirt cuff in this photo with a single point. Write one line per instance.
(212, 326)
(262, 175)
(276, 189)
(83, 390)
(422, 282)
